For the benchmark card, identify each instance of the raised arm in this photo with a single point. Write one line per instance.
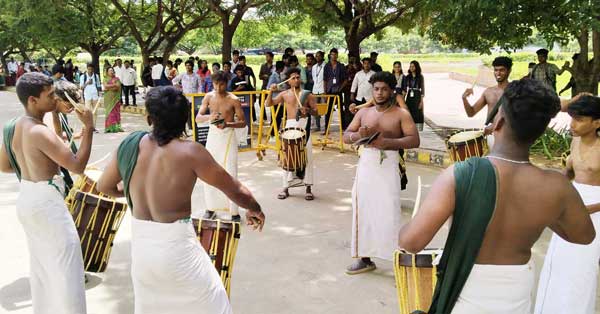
(53, 147)
(111, 178)
(202, 117)
(273, 101)
(479, 104)
(436, 208)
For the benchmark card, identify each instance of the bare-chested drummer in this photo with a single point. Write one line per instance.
(34, 152)
(296, 99)
(376, 198)
(491, 95)
(569, 278)
(500, 206)
(170, 270)
(225, 116)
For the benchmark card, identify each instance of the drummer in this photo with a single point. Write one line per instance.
(499, 211)
(34, 153)
(491, 95)
(221, 143)
(171, 272)
(299, 105)
(376, 199)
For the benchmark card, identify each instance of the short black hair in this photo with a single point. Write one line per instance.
(58, 68)
(239, 67)
(169, 111)
(159, 60)
(32, 84)
(291, 71)
(236, 52)
(543, 52)
(384, 76)
(190, 62)
(268, 53)
(242, 57)
(366, 59)
(169, 62)
(320, 52)
(585, 106)
(279, 65)
(374, 54)
(293, 59)
(503, 62)
(288, 50)
(127, 61)
(333, 50)
(310, 55)
(63, 88)
(529, 106)
(89, 65)
(219, 77)
(227, 63)
(217, 64)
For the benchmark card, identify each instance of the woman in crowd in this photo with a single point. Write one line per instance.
(112, 103)
(413, 90)
(204, 74)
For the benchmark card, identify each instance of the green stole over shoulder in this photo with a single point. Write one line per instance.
(475, 203)
(127, 155)
(8, 134)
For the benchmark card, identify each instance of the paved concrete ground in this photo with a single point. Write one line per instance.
(296, 265)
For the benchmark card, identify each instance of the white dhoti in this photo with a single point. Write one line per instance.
(376, 204)
(171, 272)
(569, 278)
(497, 289)
(56, 262)
(290, 178)
(222, 144)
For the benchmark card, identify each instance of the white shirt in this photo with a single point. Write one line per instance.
(119, 72)
(233, 65)
(361, 85)
(13, 67)
(90, 92)
(317, 74)
(128, 77)
(157, 71)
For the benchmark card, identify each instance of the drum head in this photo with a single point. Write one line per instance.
(292, 133)
(465, 136)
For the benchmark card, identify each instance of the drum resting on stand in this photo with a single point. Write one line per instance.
(466, 144)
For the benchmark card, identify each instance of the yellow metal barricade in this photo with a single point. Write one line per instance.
(323, 102)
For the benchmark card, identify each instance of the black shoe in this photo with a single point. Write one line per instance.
(236, 218)
(134, 105)
(209, 214)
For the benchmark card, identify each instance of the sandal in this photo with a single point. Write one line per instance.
(283, 195)
(360, 267)
(309, 196)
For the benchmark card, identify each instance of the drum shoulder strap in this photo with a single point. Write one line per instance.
(476, 183)
(8, 133)
(127, 155)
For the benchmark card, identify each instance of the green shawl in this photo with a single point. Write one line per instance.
(8, 134)
(476, 184)
(127, 155)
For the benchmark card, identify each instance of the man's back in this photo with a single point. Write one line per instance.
(163, 180)
(529, 199)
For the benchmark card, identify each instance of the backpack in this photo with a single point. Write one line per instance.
(85, 78)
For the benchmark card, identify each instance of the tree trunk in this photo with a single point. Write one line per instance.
(353, 45)
(586, 77)
(228, 32)
(168, 50)
(95, 53)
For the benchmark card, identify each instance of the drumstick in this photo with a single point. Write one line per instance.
(96, 108)
(418, 199)
(74, 104)
(278, 84)
(365, 105)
